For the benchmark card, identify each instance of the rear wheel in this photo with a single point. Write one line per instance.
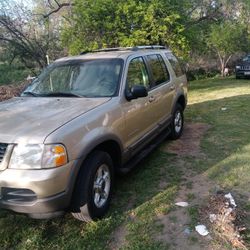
(177, 122)
(93, 188)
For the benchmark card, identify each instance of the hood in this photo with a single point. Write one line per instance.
(32, 119)
(242, 63)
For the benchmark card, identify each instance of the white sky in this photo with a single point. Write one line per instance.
(28, 3)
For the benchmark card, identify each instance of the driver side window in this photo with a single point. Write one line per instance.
(137, 73)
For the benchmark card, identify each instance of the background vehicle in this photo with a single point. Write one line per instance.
(84, 119)
(242, 69)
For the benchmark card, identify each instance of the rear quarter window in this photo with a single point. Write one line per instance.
(175, 64)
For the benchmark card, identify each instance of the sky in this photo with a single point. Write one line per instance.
(27, 3)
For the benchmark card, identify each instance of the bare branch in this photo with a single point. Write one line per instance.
(211, 17)
(57, 3)
(50, 4)
(60, 6)
(228, 59)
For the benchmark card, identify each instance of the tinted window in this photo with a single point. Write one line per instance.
(246, 59)
(137, 73)
(158, 68)
(175, 64)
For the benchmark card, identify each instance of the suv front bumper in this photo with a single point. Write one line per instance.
(39, 193)
(242, 73)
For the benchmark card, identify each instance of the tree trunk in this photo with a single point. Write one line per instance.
(222, 63)
(224, 60)
(223, 68)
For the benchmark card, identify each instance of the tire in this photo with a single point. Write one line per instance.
(177, 123)
(93, 189)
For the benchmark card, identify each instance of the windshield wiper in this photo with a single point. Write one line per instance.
(30, 93)
(61, 94)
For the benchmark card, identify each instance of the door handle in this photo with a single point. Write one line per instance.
(151, 99)
(172, 87)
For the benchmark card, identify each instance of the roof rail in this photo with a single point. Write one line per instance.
(113, 49)
(135, 48)
(106, 50)
(149, 47)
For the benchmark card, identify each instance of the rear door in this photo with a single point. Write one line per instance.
(162, 90)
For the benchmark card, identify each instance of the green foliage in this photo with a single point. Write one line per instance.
(12, 73)
(228, 38)
(105, 23)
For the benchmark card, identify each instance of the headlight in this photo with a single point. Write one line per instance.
(237, 67)
(54, 156)
(37, 156)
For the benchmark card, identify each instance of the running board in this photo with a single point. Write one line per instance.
(144, 152)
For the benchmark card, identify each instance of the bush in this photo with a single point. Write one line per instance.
(12, 73)
(200, 73)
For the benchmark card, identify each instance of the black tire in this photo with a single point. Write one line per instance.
(177, 126)
(84, 204)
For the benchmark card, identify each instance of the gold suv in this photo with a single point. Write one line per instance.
(84, 119)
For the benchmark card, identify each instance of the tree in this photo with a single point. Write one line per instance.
(28, 36)
(105, 23)
(226, 39)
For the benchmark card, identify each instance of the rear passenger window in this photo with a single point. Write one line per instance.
(158, 68)
(175, 64)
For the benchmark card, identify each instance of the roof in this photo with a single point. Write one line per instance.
(114, 53)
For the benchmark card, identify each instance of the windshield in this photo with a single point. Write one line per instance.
(90, 78)
(246, 59)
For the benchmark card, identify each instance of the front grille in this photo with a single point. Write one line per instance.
(245, 67)
(3, 148)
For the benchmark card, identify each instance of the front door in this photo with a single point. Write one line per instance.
(139, 120)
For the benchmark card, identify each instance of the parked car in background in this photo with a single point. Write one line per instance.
(84, 119)
(242, 68)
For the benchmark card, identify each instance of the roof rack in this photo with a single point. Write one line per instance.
(135, 48)
(106, 50)
(149, 47)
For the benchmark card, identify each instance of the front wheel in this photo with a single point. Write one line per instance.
(177, 123)
(93, 188)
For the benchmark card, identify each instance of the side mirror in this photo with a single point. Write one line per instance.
(136, 91)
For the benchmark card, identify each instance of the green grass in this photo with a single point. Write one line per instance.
(140, 198)
(227, 144)
(194, 216)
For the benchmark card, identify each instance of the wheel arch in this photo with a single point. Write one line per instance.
(109, 144)
(182, 101)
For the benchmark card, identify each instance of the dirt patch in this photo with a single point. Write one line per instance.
(9, 91)
(225, 220)
(178, 231)
(189, 143)
(203, 199)
(178, 226)
(118, 238)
